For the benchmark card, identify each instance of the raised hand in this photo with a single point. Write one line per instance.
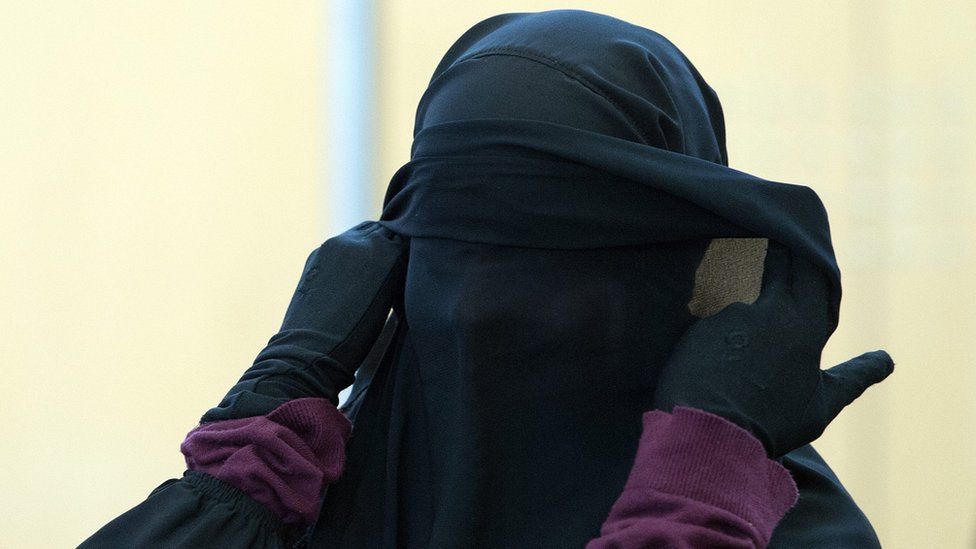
(758, 364)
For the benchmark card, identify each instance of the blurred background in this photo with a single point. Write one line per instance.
(166, 167)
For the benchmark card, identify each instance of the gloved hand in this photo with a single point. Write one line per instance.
(758, 365)
(342, 301)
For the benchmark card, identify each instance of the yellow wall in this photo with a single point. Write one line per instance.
(160, 173)
(161, 166)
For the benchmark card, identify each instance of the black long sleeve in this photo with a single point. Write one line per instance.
(338, 309)
(197, 511)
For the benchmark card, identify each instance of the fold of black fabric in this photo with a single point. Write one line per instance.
(539, 184)
(570, 129)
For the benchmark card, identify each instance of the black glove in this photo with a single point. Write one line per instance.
(758, 365)
(343, 298)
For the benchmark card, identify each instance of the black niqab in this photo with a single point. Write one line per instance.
(567, 174)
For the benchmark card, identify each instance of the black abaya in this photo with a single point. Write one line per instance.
(568, 173)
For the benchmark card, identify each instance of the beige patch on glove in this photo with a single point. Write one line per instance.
(731, 270)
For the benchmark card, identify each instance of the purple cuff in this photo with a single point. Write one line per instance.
(717, 468)
(283, 459)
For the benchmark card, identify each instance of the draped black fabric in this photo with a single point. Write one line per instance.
(567, 175)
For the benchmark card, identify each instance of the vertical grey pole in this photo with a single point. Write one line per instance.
(347, 109)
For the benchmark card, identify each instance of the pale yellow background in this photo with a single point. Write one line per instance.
(162, 168)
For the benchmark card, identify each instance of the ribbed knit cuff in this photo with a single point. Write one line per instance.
(283, 459)
(702, 456)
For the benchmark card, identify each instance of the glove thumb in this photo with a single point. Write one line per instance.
(843, 383)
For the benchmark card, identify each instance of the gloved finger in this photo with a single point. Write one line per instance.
(843, 383)
(347, 288)
(341, 304)
(776, 274)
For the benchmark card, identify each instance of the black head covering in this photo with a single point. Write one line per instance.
(567, 175)
(604, 134)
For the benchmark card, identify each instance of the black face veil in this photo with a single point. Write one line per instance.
(570, 211)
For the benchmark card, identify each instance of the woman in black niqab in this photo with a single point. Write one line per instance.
(568, 203)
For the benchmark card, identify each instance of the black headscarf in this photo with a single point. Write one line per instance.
(567, 175)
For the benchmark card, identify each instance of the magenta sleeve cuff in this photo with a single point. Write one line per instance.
(283, 459)
(698, 476)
